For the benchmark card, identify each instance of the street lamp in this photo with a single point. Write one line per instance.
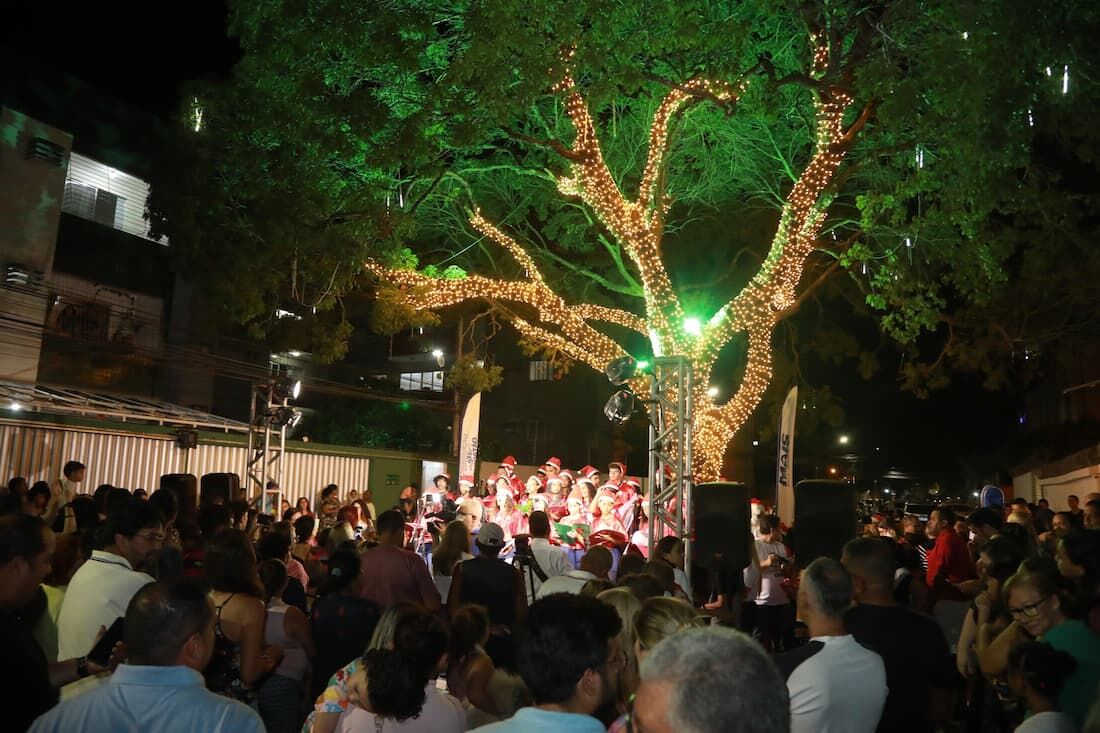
(844, 440)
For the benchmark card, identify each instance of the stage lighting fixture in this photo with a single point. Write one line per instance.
(286, 388)
(620, 370)
(286, 417)
(620, 407)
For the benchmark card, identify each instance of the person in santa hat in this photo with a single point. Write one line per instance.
(566, 482)
(554, 492)
(443, 485)
(577, 514)
(466, 483)
(552, 467)
(626, 501)
(604, 517)
(508, 466)
(509, 516)
(616, 472)
(640, 538)
(756, 510)
(586, 490)
(533, 486)
(591, 473)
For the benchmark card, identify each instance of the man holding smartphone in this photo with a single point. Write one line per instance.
(775, 613)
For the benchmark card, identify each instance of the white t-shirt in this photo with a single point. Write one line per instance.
(1047, 723)
(441, 713)
(572, 582)
(551, 558)
(771, 579)
(835, 685)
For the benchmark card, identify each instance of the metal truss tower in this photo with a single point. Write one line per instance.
(670, 480)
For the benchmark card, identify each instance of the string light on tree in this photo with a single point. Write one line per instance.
(636, 223)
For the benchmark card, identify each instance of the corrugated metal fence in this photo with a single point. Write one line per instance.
(138, 461)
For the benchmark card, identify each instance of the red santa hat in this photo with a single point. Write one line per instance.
(467, 478)
(442, 475)
(755, 501)
(608, 491)
(620, 464)
(565, 473)
(633, 483)
(589, 471)
(509, 461)
(553, 461)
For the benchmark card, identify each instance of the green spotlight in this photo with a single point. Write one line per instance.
(693, 326)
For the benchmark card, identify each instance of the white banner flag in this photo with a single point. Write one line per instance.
(467, 444)
(784, 471)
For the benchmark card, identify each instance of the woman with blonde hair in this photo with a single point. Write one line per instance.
(627, 605)
(657, 619)
(454, 547)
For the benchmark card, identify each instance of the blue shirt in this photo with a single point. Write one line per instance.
(534, 720)
(161, 699)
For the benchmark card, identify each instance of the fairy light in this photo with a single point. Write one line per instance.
(637, 226)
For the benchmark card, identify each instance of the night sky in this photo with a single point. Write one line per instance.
(141, 53)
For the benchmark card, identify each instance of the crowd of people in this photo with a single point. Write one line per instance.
(534, 605)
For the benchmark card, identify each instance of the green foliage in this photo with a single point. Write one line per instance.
(371, 129)
(468, 377)
(383, 425)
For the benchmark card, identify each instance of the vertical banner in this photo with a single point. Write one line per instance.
(784, 470)
(467, 445)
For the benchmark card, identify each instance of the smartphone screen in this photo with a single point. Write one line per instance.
(101, 652)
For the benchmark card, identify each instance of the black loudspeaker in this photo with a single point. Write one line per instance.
(186, 488)
(825, 519)
(186, 439)
(721, 524)
(219, 488)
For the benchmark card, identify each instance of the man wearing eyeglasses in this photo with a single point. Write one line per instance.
(102, 588)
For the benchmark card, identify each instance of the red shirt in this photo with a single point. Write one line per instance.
(392, 575)
(950, 558)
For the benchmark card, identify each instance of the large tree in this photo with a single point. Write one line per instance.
(650, 177)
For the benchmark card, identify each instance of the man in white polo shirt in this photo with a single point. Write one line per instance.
(552, 559)
(835, 685)
(595, 564)
(101, 589)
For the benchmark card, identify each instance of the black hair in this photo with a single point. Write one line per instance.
(303, 528)
(641, 584)
(329, 491)
(167, 502)
(564, 636)
(768, 523)
(273, 576)
(160, 619)
(1082, 547)
(469, 624)
(421, 637)
(539, 524)
(239, 509)
(665, 545)
(129, 517)
(1044, 668)
(230, 564)
(100, 497)
(85, 512)
(1017, 532)
(395, 688)
(1005, 553)
(289, 513)
(212, 518)
(273, 546)
(116, 498)
(21, 535)
(986, 517)
(631, 562)
(344, 567)
(72, 467)
(18, 485)
(946, 515)
(40, 488)
(390, 521)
